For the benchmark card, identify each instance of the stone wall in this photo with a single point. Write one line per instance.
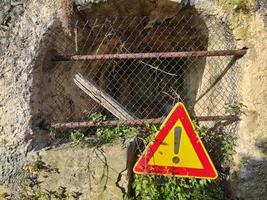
(10, 11)
(92, 172)
(249, 30)
(17, 62)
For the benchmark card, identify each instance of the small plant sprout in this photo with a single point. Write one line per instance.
(4, 195)
(202, 130)
(96, 117)
(152, 130)
(76, 136)
(109, 135)
(235, 108)
(228, 148)
(240, 4)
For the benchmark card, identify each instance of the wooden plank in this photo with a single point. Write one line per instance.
(101, 97)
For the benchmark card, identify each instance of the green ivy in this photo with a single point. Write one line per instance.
(4, 195)
(149, 187)
(96, 117)
(227, 148)
(76, 136)
(151, 130)
(59, 194)
(109, 135)
(235, 108)
(240, 4)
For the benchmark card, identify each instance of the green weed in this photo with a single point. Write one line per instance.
(151, 130)
(172, 188)
(241, 5)
(4, 196)
(235, 108)
(227, 148)
(109, 135)
(96, 117)
(76, 136)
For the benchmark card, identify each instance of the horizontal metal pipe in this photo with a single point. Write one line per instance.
(239, 52)
(135, 122)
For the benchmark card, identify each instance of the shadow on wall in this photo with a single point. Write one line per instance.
(250, 181)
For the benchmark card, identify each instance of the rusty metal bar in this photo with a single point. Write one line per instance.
(135, 122)
(239, 52)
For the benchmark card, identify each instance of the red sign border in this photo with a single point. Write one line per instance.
(178, 112)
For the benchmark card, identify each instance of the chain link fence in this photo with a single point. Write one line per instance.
(149, 87)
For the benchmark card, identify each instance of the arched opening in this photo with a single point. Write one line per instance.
(147, 88)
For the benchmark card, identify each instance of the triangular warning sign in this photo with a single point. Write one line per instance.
(176, 150)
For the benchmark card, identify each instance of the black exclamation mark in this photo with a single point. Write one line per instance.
(177, 138)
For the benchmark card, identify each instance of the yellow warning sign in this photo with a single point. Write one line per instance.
(185, 154)
(177, 150)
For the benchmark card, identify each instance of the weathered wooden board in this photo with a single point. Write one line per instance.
(101, 97)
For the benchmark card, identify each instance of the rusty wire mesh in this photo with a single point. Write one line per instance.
(148, 88)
